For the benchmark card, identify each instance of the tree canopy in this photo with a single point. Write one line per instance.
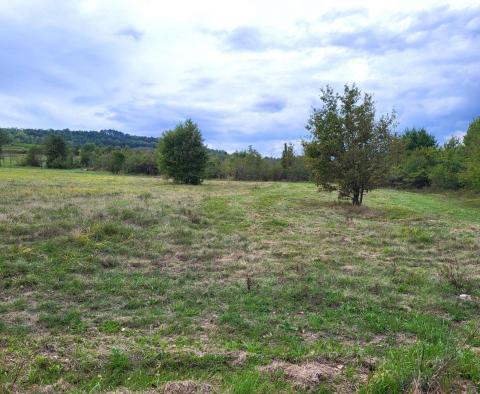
(418, 138)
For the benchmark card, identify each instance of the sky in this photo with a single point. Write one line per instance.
(248, 72)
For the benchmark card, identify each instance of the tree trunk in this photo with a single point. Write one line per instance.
(356, 197)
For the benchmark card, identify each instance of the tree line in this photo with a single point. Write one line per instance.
(55, 152)
(350, 150)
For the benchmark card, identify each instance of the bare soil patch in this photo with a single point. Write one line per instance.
(307, 375)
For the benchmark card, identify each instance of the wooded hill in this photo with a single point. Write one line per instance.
(111, 138)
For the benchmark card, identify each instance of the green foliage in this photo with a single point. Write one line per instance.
(87, 154)
(127, 161)
(446, 174)
(110, 327)
(119, 364)
(246, 165)
(182, 154)
(349, 146)
(104, 138)
(243, 165)
(4, 138)
(117, 160)
(249, 165)
(472, 138)
(140, 162)
(417, 161)
(417, 166)
(34, 157)
(413, 159)
(56, 151)
(424, 368)
(45, 371)
(414, 156)
(416, 139)
(471, 175)
(288, 156)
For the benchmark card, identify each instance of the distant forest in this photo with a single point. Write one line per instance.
(77, 138)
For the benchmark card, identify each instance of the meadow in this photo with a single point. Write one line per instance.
(129, 283)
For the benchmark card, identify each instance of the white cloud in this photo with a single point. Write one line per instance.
(143, 66)
(459, 134)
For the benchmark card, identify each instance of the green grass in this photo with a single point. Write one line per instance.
(129, 282)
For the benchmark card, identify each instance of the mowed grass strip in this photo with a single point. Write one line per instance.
(130, 282)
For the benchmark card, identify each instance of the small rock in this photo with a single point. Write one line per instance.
(465, 297)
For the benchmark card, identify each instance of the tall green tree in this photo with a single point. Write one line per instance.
(349, 145)
(4, 140)
(56, 151)
(182, 154)
(288, 156)
(472, 153)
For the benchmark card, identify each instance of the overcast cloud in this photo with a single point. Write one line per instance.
(248, 72)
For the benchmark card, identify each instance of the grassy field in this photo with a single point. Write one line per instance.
(131, 283)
